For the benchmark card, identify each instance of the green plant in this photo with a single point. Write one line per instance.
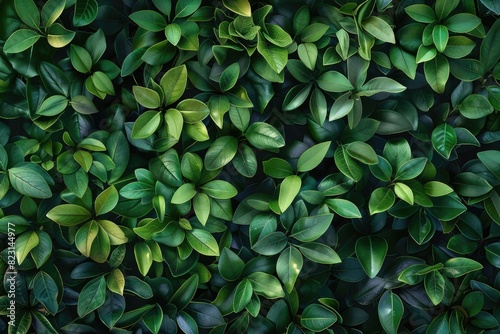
(249, 167)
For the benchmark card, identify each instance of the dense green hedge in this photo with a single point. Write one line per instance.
(260, 167)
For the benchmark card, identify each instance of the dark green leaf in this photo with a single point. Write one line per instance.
(371, 251)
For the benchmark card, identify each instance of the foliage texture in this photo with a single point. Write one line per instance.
(237, 166)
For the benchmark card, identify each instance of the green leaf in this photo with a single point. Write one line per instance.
(313, 32)
(288, 267)
(106, 201)
(46, 291)
(421, 13)
(184, 193)
(270, 244)
(444, 139)
(447, 207)
(221, 152)
(276, 57)
(317, 318)
(308, 229)
(335, 82)
(20, 40)
(439, 325)
(53, 106)
(149, 20)
(116, 281)
(491, 159)
(185, 293)
(42, 252)
(475, 106)
(51, 11)
(343, 207)
(390, 312)
(381, 199)
(462, 22)
(219, 189)
(264, 136)
(193, 111)
(289, 189)
(266, 285)
(58, 36)
(371, 251)
(434, 284)
(229, 77)
(83, 105)
(437, 189)
(240, 7)
(277, 168)
(440, 37)
(459, 266)
(470, 185)
(143, 257)
(173, 84)
(362, 152)
(28, 12)
(490, 51)
(203, 242)
(404, 192)
(28, 182)
(173, 32)
(312, 157)
(146, 97)
(319, 253)
(411, 169)
(346, 164)
(308, 54)
(153, 319)
(92, 296)
(379, 29)
(403, 60)
(242, 295)
(69, 214)
(146, 124)
(85, 12)
(24, 244)
(318, 106)
(437, 72)
(341, 107)
(296, 96)
(245, 161)
(230, 265)
(379, 85)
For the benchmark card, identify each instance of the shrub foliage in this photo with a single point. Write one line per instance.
(238, 166)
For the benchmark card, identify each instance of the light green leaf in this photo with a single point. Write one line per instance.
(184, 193)
(380, 85)
(203, 242)
(381, 199)
(335, 82)
(53, 106)
(308, 229)
(437, 72)
(379, 29)
(146, 97)
(434, 286)
(20, 40)
(289, 189)
(242, 295)
(404, 192)
(28, 182)
(221, 152)
(240, 7)
(24, 244)
(149, 20)
(264, 136)
(343, 207)
(308, 54)
(362, 152)
(106, 201)
(146, 124)
(288, 267)
(312, 157)
(173, 83)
